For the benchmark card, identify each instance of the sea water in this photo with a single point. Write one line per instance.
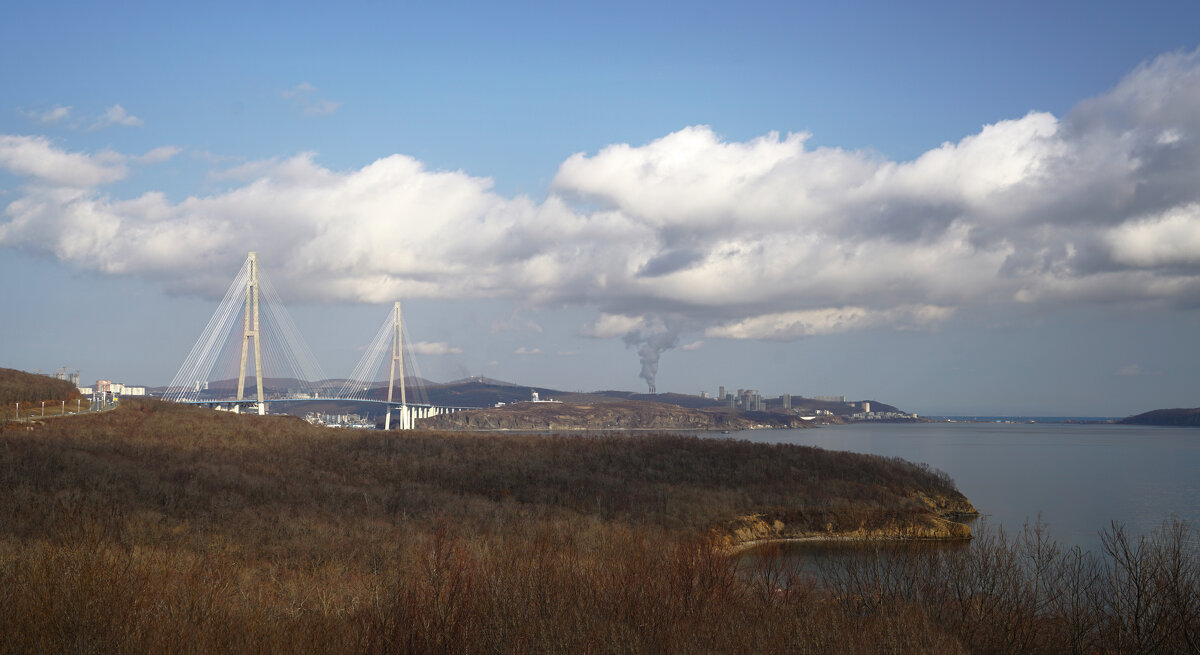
(1076, 478)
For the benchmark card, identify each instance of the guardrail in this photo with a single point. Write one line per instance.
(41, 410)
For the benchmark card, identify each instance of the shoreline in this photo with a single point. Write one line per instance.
(752, 531)
(745, 546)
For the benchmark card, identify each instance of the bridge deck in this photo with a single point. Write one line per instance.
(251, 401)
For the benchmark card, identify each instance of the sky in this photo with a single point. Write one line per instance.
(948, 207)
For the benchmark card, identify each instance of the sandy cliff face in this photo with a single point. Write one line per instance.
(753, 529)
(931, 517)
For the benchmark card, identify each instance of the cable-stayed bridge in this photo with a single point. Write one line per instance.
(215, 372)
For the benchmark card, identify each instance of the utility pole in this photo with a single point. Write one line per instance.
(250, 329)
(397, 363)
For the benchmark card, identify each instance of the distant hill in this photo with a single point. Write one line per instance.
(483, 380)
(677, 399)
(607, 415)
(21, 387)
(486, 393)
(1177, 417)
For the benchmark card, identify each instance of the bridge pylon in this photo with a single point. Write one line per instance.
(397, 363)
(250, 330)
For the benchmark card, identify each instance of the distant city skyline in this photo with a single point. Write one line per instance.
(951, 209)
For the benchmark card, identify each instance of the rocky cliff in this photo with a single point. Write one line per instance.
(929, 517)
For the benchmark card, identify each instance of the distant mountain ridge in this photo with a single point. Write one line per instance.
(484, 393)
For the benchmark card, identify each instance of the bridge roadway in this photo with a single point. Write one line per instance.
(410, 412)
(251, 401)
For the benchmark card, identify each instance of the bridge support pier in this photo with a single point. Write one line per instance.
(397, 362)
(250, 330)
(403, 420)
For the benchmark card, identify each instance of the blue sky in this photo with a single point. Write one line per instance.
(949, 207)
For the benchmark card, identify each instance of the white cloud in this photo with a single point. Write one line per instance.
(434, 348)
(159, 155)
(695, 345)
(47, 166)
(1171, 238)
(607, 326)
(787, 326)
(58, 114)
(36, 157)
(762, 239)
(527, 351)
(304, 97)
(116, 115)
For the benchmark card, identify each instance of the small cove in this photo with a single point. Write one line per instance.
(1077, 477)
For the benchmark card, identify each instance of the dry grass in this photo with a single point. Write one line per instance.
(165, 529)
(29, 391)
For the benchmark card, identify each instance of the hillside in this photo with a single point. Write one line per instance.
(182, 463)
(160, 528)
(608, 415)
(30, 389)
(1181, 417)
(679, 399)
(20, 387)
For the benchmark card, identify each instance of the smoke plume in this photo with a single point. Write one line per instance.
(651, 342)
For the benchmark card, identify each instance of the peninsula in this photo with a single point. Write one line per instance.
(1181, 417)
(160, 527)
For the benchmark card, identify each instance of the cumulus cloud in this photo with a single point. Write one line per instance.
(434, 348)
(47, 166)
(527, 351)
(1168, 239)
(304, 96)
(37, 158)
(116, 115)
(690, 233)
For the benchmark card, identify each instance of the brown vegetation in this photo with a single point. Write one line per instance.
(161, 528)
(29, 389)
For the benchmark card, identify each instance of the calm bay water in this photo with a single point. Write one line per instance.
(1077, 477)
